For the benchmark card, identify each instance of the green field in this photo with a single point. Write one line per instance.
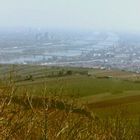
(88, 85)
(84, 101)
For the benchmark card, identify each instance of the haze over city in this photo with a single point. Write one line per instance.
(85, 33)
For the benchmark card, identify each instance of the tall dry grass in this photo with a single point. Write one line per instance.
(56, 118)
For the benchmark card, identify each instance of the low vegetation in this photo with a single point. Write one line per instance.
(52, 109)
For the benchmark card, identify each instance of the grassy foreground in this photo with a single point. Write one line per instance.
(38, 102)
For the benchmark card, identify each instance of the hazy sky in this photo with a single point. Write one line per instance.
(86, 14)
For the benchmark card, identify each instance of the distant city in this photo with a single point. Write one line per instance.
(105, 50)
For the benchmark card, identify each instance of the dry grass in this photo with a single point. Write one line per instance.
(52, 118)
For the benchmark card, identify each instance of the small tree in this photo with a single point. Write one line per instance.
(69, 72)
